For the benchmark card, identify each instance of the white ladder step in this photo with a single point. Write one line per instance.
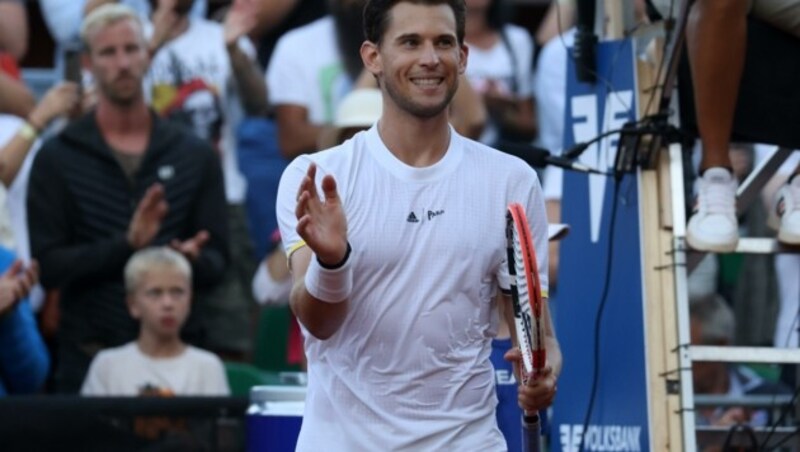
(743, 354)
(763, 245)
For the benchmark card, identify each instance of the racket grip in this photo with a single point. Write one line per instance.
(531, 433)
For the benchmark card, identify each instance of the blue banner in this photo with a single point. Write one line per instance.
(619, 418)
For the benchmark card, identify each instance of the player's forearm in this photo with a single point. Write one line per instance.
(554, 357)
(320, 318)
(553, 349)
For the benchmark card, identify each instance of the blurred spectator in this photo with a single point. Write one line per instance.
(13, 30)
(116, 180)
(712, 324)
(158, 283)
(311, 70)
(276, 17)
(63, 19)
(500, 69)
(16, 99)
(787, 265)
(18, 146)
(560, 17)
(201, 76)
(24, 361)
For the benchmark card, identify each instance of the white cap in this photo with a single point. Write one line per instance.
(360, 108)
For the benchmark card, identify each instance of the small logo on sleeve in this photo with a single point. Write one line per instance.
(412, 218)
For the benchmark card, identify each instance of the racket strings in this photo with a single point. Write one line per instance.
(531, 308)
(526, 280)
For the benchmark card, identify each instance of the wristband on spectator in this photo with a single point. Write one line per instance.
(331, 285)
(28, 131)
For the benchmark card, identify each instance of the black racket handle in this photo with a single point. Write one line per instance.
(531, 433)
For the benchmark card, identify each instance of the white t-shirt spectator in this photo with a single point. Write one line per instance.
(126, 371)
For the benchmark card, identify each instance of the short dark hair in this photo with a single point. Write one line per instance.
(376, 16)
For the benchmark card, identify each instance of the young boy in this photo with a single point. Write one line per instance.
(158, 283)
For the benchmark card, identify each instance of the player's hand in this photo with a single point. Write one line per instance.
(192, 247)
(539, 391)
(321, 223)
(148, 216)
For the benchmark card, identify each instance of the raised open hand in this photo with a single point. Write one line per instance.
(321, 223)
(147, 218)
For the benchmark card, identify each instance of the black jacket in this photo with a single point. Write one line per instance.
(80, 205)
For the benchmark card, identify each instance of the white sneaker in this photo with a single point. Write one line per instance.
(787, 207)
(713, 226)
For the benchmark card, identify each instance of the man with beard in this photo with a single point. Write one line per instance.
(201, 75)
(114, 181)
(313, 67)
(396, 244)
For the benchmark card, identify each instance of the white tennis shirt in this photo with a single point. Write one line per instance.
(409, 369)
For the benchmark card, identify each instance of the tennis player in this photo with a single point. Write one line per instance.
(396, 242)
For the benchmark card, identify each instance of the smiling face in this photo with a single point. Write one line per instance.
(418, 60)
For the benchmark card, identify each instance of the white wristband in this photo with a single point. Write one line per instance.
(330, 286)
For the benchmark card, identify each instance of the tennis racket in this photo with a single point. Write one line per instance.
(526, 296)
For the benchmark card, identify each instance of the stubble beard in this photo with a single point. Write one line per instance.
(120, 99)
(407, 104)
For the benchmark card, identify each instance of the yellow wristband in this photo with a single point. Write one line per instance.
(28, 132)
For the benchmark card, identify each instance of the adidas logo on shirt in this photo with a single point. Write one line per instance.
(412, 218)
